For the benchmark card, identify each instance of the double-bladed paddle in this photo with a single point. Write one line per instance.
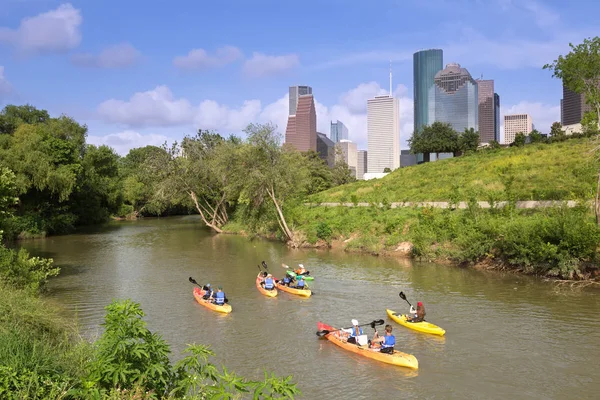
(290, 268)
(373, 324)
(403, 297)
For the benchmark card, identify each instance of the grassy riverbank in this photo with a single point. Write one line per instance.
(558, 242)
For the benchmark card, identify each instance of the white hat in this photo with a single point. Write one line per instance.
(354, 322)
(301, 266)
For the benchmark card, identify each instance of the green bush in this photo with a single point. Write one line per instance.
(324, 231)
(24, 272)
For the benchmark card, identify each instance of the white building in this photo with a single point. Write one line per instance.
(516, 123)
(349, 153)
(383, 131)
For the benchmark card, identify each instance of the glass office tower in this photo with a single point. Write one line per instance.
(426, 64)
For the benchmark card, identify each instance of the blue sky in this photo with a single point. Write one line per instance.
(142, 72)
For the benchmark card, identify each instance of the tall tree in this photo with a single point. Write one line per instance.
(556, 132)
(468, 141)
(535, 136)
(438, 137)
(520, 140)
(271, 172)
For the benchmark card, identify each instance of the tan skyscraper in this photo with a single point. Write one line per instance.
(301, 130)
(486, 110)
(383, 131)
(516, 123)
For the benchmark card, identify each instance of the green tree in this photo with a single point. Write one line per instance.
(12, 116)
(272, 172)
(580, 71)
(341, 172)
(535, 136)
(8, 192)
(438, 137)
(520, 140)
(468, 141)
(387, 170)
(556, 132)
(589, 124)
(321, 176)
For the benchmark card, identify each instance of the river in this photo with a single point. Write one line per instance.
(507, 336)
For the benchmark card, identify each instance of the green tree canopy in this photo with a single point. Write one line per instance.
(438, 137)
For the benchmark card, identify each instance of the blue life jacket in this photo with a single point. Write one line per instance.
(286, 279)
(269, 283)
(220, 298)
(301, 283)
(356, 332)
(389, 341)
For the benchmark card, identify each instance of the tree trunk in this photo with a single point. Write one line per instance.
(597, 201)
(281, 219)
(210, 224)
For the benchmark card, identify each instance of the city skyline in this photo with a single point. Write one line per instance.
(139, 85)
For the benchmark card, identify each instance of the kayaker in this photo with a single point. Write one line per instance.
(418, 315)
(268, 283)
(301, 270)
(219, 296)
(353, 332)
(286, 280)
(385, 343)
(207, 291)
(300, 284)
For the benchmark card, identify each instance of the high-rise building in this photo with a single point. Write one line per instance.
(295, 93)
(326, 149)
(338, 131)
(426, 64)
(516, 123)
(349, 154)
(383, 132)
(497, 117)
(407, 158)
(573, 107)
(456, 98)
(361, 164)
(487, 111)
(301, 130)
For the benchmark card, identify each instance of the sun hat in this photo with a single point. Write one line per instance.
(354, 322)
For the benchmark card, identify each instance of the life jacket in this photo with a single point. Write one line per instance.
(269, 283)
(356, 331)
(301, 283)
(286, 279)
(388, 341)
(300, 271)
(220, 298)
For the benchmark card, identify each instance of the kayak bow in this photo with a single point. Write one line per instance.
(266, 292)
(425, 327)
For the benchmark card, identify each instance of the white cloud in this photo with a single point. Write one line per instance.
(199, 58)
(5, 86)
(53, 31)
(542, 115)
(124, 141)
(118, 56)
(263, 65)
(159, 108)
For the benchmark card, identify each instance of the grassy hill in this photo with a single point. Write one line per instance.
(560, 171)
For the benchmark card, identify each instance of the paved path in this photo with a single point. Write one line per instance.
(462, 204)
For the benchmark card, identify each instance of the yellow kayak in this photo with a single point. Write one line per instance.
(424, 326)
(397, 358)
(198, 293)
(300, 292)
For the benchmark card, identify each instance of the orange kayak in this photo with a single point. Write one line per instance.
(266, 292)
(397, 358)
(198, 293)
(300, 292)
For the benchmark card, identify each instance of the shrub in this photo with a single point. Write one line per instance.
(324, 231)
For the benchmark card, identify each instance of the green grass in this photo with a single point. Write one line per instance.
(559, 171)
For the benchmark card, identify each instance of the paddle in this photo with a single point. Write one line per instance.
(192, 280)
(403, 297)
(288, 267)
(373, 324)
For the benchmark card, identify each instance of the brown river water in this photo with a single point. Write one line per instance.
(507, 336)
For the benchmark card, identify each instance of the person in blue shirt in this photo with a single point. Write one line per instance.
(219, 297)
(286, 280)
(269, 282)
(207, 291)
(352, 333)
(300, 284)
(385, 343)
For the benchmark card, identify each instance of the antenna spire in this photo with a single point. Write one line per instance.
(391, 92)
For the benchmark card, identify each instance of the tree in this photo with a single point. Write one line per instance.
(342, 174)
(12, 116)
(535, 136)
(387, 170)
(468, 141)
(321, 176)
(494, 145)
(520, 140)
(589, 124)
(271, 172)
(556, 132)
(580, 71)
(438, 137)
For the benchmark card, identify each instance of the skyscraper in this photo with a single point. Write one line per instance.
(361, 164)
(383, 131)
(497, 117)
(295, 93)
(338, 131)
(516, 123)
(573, 107)
(326, 149)
(487, 111)
(456, 98)
(349, 154)
(426, 64)
(301, 130)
